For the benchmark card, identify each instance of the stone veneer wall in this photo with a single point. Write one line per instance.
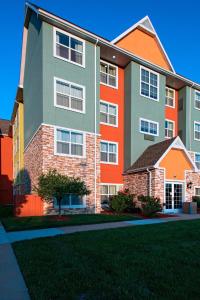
(193, 177)
(158, 184)
(39, 157)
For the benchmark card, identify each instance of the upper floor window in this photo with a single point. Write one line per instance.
(69, 142)
(69, 95)
(108, 74)
(169, 129)
(197, 100)
(69, 47)
(109, 152)
(108, 113)
(197, 131)
(197, 160)
(149, 127)
(170, 97)
(149, 83)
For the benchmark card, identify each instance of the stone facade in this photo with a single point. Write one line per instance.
(158, 184)
(194, 179)
(40, 157)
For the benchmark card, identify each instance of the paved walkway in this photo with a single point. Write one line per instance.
(12, 285)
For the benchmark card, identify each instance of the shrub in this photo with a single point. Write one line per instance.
(6, 211)
(197, 200)
(122, 202)
(149, 205)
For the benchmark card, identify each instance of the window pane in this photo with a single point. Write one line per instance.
(76, 92)
(145, 76)
(104, 189)
(104, 147)
(76, 200)
(153, 79)
(77, 104)
(76, 138)
(197, 191)
(76, 149)
(112, 148)
(63, 135)
(77, 57)
(153, 128)
(112, 110)
(112, 157)
(62, 87)
(62, 51)
(112, 190)
(144, 126)
(103, 78)
(62, 39)
(103, 118)
(63, 148)
(112, 120)
(103, 67)
(66, 200)
(112, 81)
(144, 89)
(62, 100)
(153, 92)
(104, 107)
(76, 45)
(104, 156)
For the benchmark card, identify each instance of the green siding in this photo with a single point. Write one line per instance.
(195, 116)
(138, 107)
(32, 93)
(182, 95)
(53, 66)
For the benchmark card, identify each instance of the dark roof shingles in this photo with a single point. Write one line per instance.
(5, 127)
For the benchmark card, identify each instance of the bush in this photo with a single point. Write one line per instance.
(6, 211)
(149, 205)
(197, 200)
(122, 202)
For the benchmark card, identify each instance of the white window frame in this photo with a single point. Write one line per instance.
(107, 162)
(196, 187)
(55, 29)
(71, 131)
(196, 122)
(73, 206)
(168, 120)
(158, 85)
(109, 64)
(70, 83)
(109, 104)
(196, 100)
(195, 161)
(174, 104)
(150, 121)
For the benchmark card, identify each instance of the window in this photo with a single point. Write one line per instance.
(148, 127)
(197, 160)
(148, 84)
(107, 191)
(197, 131)
(69, 95)
(71, 200)
(108, 74)
(68, 47)
(197, 100)
(170, 97)
(108, 113)
(197, 191)
(169, 129)
(69, 142)
(109, 152)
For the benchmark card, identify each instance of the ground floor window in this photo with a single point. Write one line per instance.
(71, 201)
(197, 191)
(107, 191)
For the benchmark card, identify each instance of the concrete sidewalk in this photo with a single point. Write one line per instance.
(12, 285)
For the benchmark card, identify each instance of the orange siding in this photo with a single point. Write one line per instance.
(113, 173)
(145, 46)
(172, 113)
(175, 163)
(28, 205)
(6, 169)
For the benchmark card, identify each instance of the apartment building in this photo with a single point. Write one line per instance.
(108, 112)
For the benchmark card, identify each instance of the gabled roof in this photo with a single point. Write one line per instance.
(152, 156)
(146, 25)
(5, 127)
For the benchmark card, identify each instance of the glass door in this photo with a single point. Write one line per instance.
(173, 196)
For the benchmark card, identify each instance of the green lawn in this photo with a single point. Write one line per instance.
(144, 262)
(25, 223)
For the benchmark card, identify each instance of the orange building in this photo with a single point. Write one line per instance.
(6, 163)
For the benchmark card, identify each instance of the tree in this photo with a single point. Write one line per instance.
(55, 185)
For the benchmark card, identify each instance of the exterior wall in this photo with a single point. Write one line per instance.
(146, 46)
(6, 169)
(158, 184)
(193, 177)
(113, 173)
(40, 157)
(171, 113)
(136, 107)
(195, 116)
(137, 183)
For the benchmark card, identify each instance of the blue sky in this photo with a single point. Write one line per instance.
(177, 25)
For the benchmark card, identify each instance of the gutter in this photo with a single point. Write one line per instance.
(150, 177)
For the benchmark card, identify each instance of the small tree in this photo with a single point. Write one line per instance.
(55, 185)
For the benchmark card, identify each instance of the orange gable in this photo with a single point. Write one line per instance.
(145, 45)
(175, 163)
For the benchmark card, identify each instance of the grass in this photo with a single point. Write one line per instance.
(25, 223)
(144, 262)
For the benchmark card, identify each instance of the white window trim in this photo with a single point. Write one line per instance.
(119, 185)
(113, 104)
(74, 131)
(158, 86)
(70, 35)
(111, 86)
(196, 122)
(73, 206)
(195, 99)
(196, 187)
(109, 163)
(174, 99)
(148, 133)
(71, 83)
(168, 120)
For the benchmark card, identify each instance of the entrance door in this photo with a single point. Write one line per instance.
(173, 196)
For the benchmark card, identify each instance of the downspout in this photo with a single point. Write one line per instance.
(190, 117)
(95, 128)
(150, 177)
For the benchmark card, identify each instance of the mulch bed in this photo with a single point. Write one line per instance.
(158, 215)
